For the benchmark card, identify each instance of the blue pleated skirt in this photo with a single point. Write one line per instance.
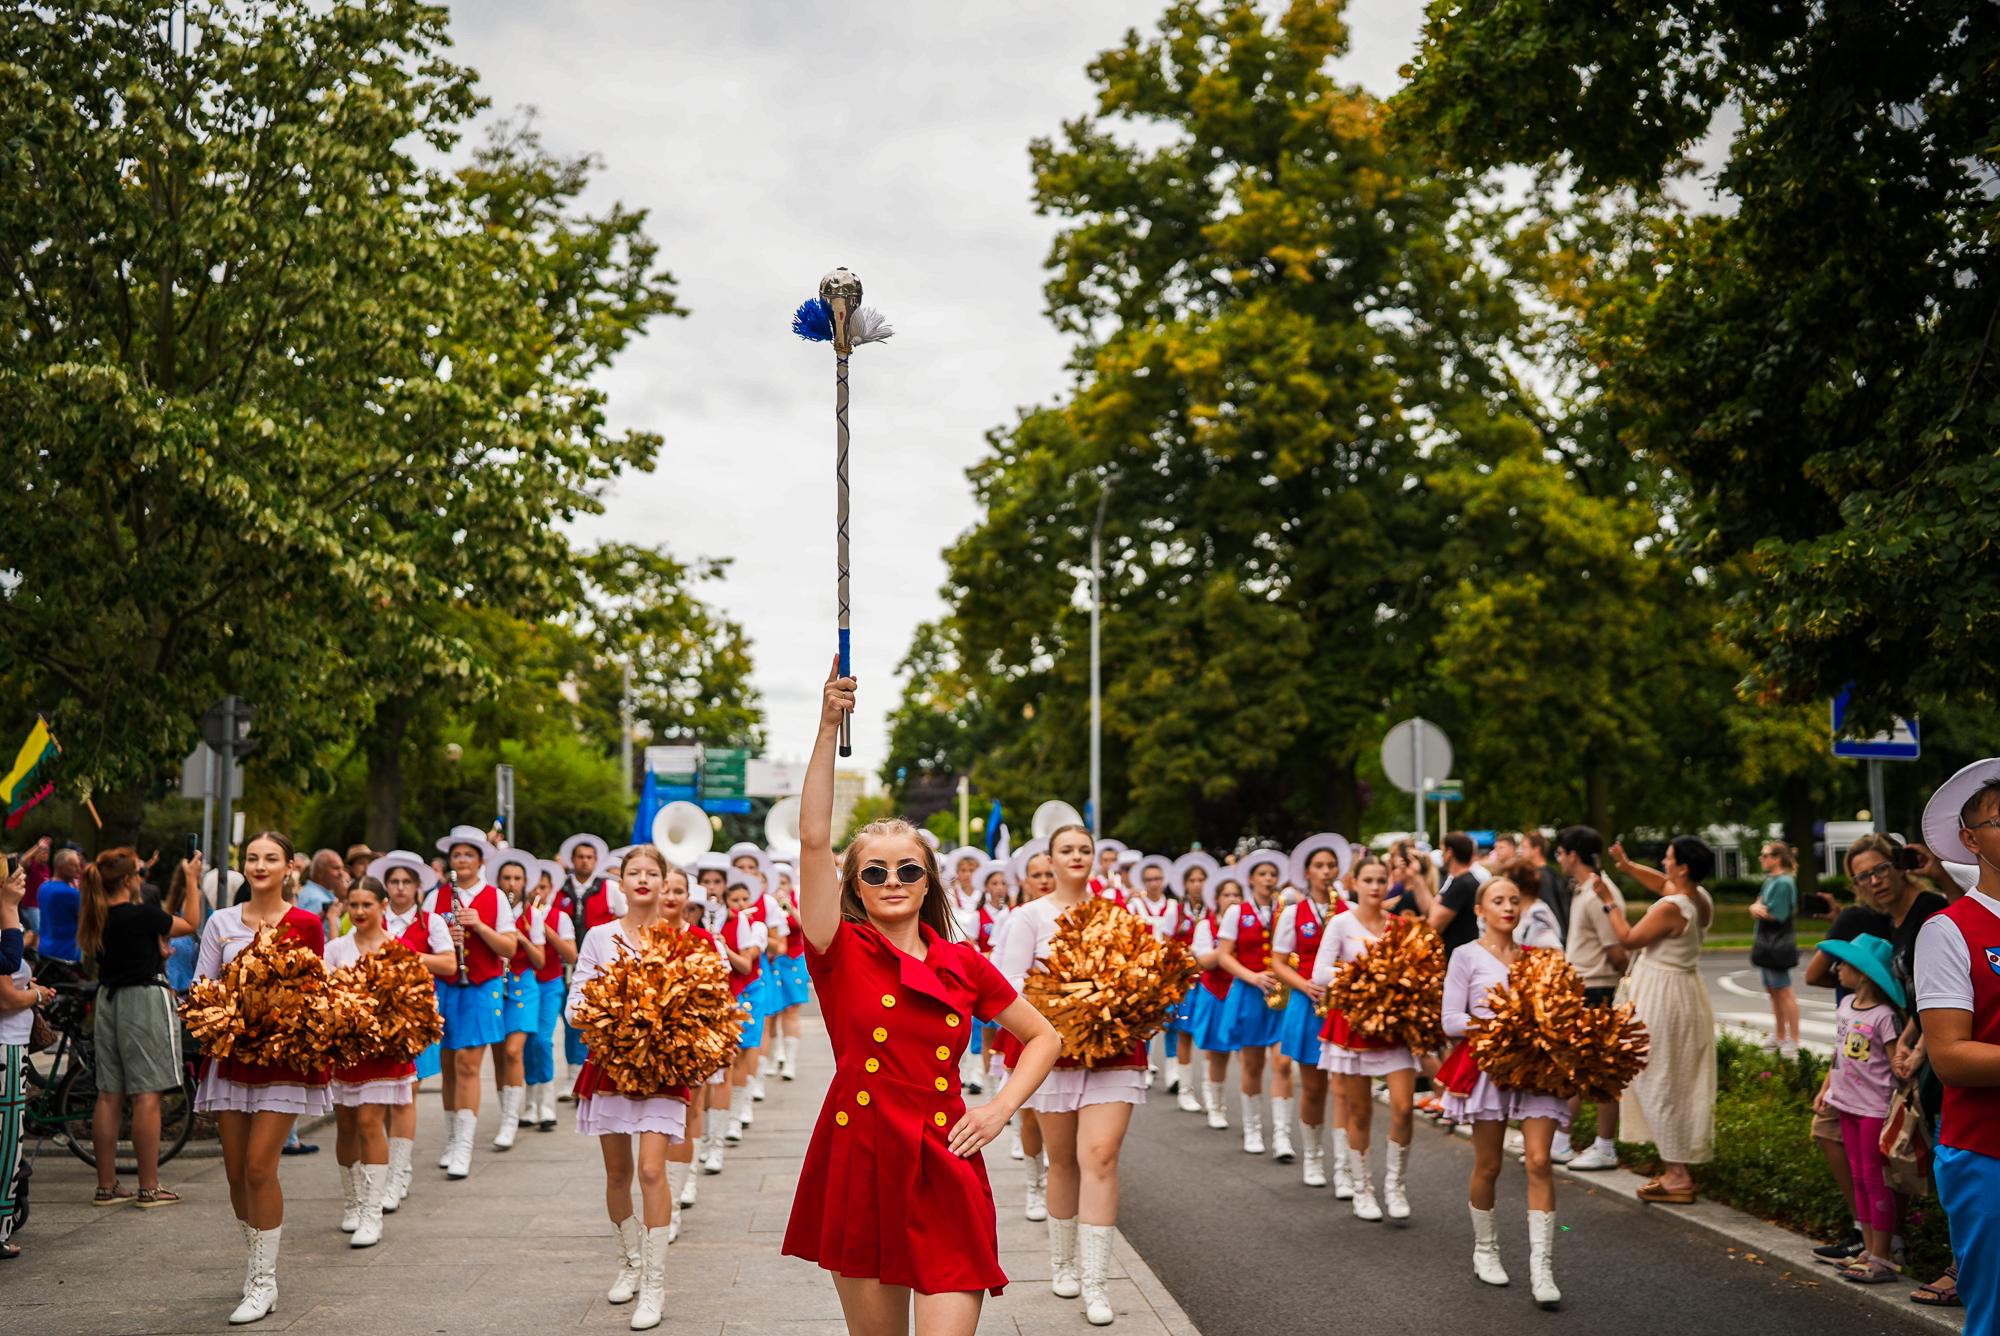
(1245, 1018)
(794, 984)
(1209, 1033)
(1183, 1018)
(1298, 1031)
(520, 1003)
(472, 1014)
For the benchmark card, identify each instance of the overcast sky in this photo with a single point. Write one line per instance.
(772, 142)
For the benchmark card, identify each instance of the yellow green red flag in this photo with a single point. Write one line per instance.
(31, 779)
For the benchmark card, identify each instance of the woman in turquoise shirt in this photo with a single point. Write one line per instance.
(1777, 946)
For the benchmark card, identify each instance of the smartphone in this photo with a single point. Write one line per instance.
(191, 845)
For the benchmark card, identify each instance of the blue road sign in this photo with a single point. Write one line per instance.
(1899, 744)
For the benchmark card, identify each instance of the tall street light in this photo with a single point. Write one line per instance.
(1096, 681)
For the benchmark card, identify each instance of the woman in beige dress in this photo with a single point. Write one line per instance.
(1671, 1102)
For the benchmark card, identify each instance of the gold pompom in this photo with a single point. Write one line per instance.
(271, 1006)
(662, 1015)
(1541, 1036)
(1396, 991)
(1108, 982)
(384, 1006)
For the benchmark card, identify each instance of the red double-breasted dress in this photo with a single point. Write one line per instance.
(881, 1194)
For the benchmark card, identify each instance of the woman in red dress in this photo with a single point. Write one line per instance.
(893, 1198)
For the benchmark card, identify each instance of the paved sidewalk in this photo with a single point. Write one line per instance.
(523, 1245)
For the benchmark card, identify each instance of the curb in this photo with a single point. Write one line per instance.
(1170, 1313)
(1759, 1242)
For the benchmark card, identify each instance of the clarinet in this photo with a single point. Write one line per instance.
(464, 979)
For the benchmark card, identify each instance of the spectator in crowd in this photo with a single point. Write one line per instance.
(1672, 1102)
(1599, 959)
(35, 863)
(1554, 889)
(1537, 927)
(182, 951)
(19, 995)
(1776, 949)
(1411, 888)
(323, 890)
(359, 856)
(1451, 913)
(1857, 1090)
(137, 1031)
(1506, 848)
(60, 902)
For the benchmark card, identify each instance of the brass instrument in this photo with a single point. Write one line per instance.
(1278, 998)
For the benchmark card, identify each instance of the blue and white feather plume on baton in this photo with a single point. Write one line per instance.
(837, 316)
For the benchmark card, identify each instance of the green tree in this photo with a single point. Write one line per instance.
(1817, 365)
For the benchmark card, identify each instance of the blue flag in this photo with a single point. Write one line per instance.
(649, 807)
(993, 820)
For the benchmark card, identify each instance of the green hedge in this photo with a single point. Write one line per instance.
(1765, 1160)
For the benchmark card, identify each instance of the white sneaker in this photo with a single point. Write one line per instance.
(1590, 1157)
(1789, 1051)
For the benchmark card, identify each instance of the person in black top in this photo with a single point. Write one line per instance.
(138, 1034)
(1451, 913)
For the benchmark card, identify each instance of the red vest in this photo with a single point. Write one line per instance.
(738, 982)
(552, 962)
(1217, 980)
(985, 930)
(596, 907)
(1253, 939)
(795, 937)
(481, 963)
(1971, 1117)
(1309, 929)
(1184, 930)
(418, 935)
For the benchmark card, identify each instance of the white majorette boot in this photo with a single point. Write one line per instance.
(690, 1192)
(1211, 1100)
(1015, 1150)
(1281, 1130)
(712, 1162)
(1038, 1189)
(1189, 1101)
(461, 1156)
(350, 1199)
(739, 1105)
(1315, 1165)
(1394, 1198)
(677, 1177)
(1362, 1185)
(511, 1098)
(1063, 1279)
(1253, 1126)
(791, 1045)
(1486, 1247)
(260, 1281)
(373, 1181)
(1343, 1177)
(400, 1150)
(450, 1138)
(1173, 1076)
(652, 1280)
(1096, 1241)
(631, 1249)
(1541, 1258)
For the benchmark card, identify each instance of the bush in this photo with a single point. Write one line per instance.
(1765, 1160)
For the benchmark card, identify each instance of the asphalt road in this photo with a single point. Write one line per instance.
(1249, 1251)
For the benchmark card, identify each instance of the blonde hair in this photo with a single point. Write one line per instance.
(934, 912)
(1781, 851)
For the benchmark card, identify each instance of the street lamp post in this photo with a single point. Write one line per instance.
(1096, 678)
(625, 730)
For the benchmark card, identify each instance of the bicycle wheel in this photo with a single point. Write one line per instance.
(176, 1118)
(75, 1103)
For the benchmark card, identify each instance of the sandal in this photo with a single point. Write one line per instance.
(1940, 1293)
(1656, 1191)
(151, 1197)
(8, 1252)
(1866, 1270)
(115, 1195)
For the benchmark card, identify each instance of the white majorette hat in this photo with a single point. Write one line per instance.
(551, 869)
(711, 862)
(1160, 861)
(1127, 857)
(987, 869)
(1177, 872)
(531, 866)
(738, 877)
(1017, 866)
(930, 839)
(749, 850)
(427, 876)
(1257, 856)
(948, 866)
(1337, 845)
(1941, 813)
(594, 841)
(617, 856)
(1213, 891)
(471, 835)
(1102, 845)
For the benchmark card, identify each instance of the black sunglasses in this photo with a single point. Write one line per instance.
(909, 874)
